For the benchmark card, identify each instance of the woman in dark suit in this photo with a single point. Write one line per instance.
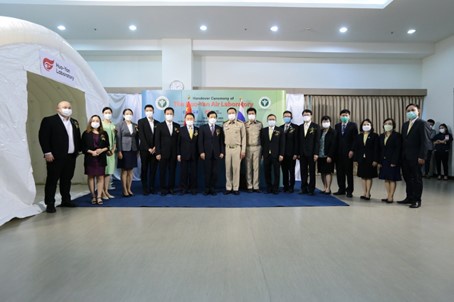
(95, 144)
(325, 162)
(127, 141)
(366, 155)
(442, 145)
(390, 145)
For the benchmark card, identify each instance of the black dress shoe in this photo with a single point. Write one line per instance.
(327, 193)
(51, 209)
(213, 193)
(339, 193)
(257, 191)
(194, 192)
(228, 192)
(236, 192)
(291, 190)
(250, 190)
(207, 192)
(310, 193)
(415, 205)
(145, 192)
(171, 192)
(362, 197)
(275, 192)
(268, 191)
(349, 195)
(405, 201)
(164, 193)
(68, 204)
(384, 200)
(303, 192)
(182, 192)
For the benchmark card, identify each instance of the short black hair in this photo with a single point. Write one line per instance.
(392, 120)
(371, 125)
(251, 109)
(417, 106)
(344, 111)
(127, 109)
(287, 111)
(106, 108)
(212, 112)
(431, 121)
(270, 115)
(169, 108)
(231, 108)
(326, 118)
(307, 111)
(148, 106)
(189, 113)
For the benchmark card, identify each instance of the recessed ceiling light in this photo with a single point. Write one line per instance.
(203, 27)
(274, 28)
(343, 29)
(411, 31)
(132, 27)
(61, 27)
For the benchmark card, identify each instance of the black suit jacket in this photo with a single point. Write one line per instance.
(88, 144)
(187, 147)
(416, 142)
(366, 152)
(166, 144)
(54, 138)
(291, 140)
(330, 142)
(146, 136)
(211, 145)
(345, 142)
(309, 145)
(392, 150)
(274, 147)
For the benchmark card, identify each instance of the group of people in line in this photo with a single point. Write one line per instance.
(163, 144)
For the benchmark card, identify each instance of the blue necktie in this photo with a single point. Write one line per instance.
(343, 128)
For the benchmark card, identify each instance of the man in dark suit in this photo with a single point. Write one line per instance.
(187, 155)
(273, 144)
(309, 147)
(211, 149)
(290, 152)
(147, 128)
(415, 143)
(59, 137)
(346, 132)
(166, 141)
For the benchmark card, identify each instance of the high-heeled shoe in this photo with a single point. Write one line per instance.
(93, 200)
(125, 195)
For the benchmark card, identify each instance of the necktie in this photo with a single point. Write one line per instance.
(286, 128)
(190, 132)
(212, 129)
(170, 128)
(409, 125)
(306, 126)
(343, 128)
(271, 133)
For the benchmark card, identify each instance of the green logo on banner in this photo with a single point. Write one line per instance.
(265, 102)
(162, 102)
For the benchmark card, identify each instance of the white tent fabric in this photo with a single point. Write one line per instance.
(20, 46)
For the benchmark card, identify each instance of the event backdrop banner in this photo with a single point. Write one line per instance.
(200, 102)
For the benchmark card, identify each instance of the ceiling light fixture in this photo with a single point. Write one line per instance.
(203, 28)
(132, 27)
(61, 27)
(343, 29)
(411, 31)
(274, 28)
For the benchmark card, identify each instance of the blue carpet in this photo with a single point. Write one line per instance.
(244, 200)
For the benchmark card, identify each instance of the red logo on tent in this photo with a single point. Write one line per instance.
(48, 64)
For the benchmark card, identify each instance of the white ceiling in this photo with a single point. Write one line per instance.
(432, 19)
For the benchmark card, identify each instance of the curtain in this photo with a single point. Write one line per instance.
(375, 108)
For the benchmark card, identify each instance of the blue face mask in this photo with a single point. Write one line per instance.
(287, 119)
(411, 115)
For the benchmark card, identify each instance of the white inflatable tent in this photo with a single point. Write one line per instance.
(21, 47)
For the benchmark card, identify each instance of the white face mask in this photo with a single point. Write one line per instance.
(271, 123)
(189, 123)
(388, 127)
(326, 125)
(149, 114)
(307, 118)
(212, 120)
(251, 117)
(231, 116)
(128, 117)
(108, 116)
(169, 117)
(367, 128)
(95, 125)
(66, 112)
(442, 130)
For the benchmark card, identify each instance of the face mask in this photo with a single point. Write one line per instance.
(271, 123)
(326, 125)
(287, 119)
(344, 119)
(442, 130)
(251, 117)
(367, 128)
(149, 114)
(169, 117)
(128, 117)
(212, 120)
(107, 116)
(189, 123)
(411, 115)
(431, 126)
(66, 112)
(231, 116)
(307, 118)
(95, 125)
(388, 128)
